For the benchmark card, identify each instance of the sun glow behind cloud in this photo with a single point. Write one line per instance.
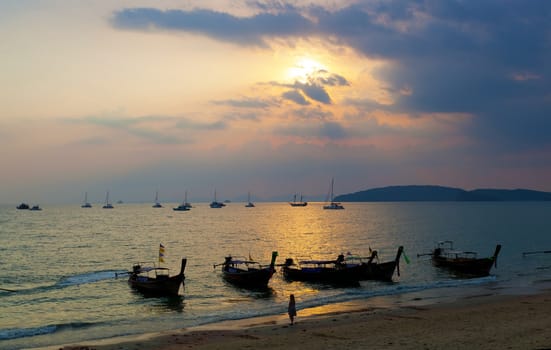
(304, 69)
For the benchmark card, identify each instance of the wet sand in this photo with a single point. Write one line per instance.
(482, 321)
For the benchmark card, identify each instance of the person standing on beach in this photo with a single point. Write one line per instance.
(292, 310)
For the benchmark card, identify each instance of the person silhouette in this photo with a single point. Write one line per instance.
(292, 310)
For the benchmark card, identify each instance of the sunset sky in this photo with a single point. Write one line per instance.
(271, 97)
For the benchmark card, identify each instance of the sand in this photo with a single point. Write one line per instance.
(473, 322)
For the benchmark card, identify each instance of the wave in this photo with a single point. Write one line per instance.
(85, 278)
(15, 333)
(351, 294)
(68, 281)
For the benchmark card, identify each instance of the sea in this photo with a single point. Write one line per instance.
(62, 269)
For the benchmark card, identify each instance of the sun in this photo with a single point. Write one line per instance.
(303, 69)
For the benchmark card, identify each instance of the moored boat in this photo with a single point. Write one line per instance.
(300, 203)
(185, 206)
(322, 271)
(247, 273)
(463, 262)
(215, 204)
(35, 208)
(332, 204)
(86, 204)
(156, 281)
(107, 204)
(23, 206)
(369, 268)
(249, 203)
(157, 204)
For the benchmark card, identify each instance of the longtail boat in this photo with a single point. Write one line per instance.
(156, 281)
(320, 271)
(247, 272)
(463, 262)
(368, 268)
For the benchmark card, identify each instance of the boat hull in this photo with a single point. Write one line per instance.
(473, 267)
(468, 266)
(252, 278)
(156, 286)
(321, 275)
(375, 271)
(160, 285)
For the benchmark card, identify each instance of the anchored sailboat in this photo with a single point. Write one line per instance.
(249, 203)
(300, 203)
(157, 204)
(86, 204)
(333, 204)
(184, 206)
(107, 204)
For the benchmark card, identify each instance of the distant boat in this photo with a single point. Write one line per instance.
(300, 203)
(35, 207)
(333, 204)
(157, 204)
(107, 204)
(249, 203)
(184, 206)
(86, 204)
(23, 206)
(215, 204)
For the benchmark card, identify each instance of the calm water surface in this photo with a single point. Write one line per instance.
(62, 261)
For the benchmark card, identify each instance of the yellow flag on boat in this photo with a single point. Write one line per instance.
(161, 253)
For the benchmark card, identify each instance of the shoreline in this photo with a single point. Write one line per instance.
(481, 320)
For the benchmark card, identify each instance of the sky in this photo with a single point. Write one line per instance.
(270, 97)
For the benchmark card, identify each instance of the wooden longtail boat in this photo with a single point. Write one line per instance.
(156, 281)
(366, 268)
(320, 271)
(247, 273)
(463, 262)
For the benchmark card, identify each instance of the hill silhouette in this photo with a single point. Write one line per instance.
(420, 193)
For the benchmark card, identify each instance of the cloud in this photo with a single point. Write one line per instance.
(150, 128)
(184, 123)
(312, 88)
(246, 31)
(325, 130)
(296, 97)
(488, 59)
(244, 103)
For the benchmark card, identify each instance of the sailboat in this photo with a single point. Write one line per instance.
(184, 206)
(107, 205)
(249, 203)
(333, 204)
(215, 203)
(86, 204)
(294, 203)
(157, 204)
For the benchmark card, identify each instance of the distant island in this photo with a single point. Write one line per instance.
(420, 193)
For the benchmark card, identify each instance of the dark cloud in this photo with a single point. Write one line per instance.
(247, 31)
(314, 91)
(296, 97)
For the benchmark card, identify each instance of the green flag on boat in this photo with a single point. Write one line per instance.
(405, 256)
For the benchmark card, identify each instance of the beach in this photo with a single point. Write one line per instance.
(484, 321)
